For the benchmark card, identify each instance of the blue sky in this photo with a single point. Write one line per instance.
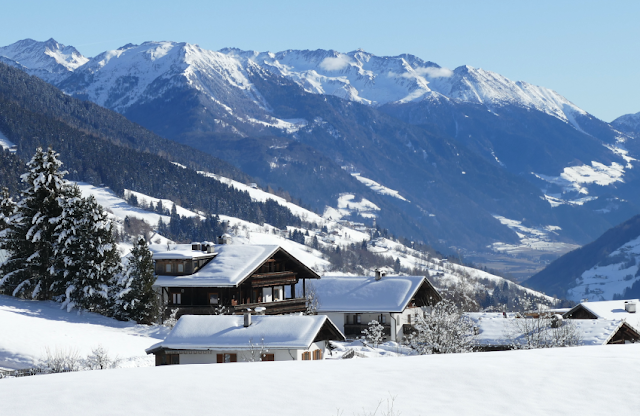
(588, 51)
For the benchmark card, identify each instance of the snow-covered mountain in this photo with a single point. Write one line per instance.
(629, 124)
(377, 80)
(462, 147)
(120, 78)
(48, 60)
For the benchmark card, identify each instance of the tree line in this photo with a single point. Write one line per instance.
(62, 247)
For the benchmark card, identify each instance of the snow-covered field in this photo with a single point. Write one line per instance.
(381, 189)
(534, 382)
(29, 328)
(531, 239)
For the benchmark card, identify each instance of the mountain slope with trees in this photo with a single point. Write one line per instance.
(611, 253)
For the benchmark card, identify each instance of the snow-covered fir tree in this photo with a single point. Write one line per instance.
(88, 259)
(373, 334)
(442, 330)
(135, 297)
(7, 209)
(30, 237)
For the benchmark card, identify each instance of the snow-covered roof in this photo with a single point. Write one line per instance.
(231, 265)
(227, 332)
(494, 329)
(365, 294)
(612, 309)
(180, 255)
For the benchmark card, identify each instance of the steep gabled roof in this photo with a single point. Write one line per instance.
(227, 332)
(496, 331)
(611, 309)
(365, 294)
(232, 264)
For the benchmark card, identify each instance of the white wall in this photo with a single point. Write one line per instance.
(210, 357)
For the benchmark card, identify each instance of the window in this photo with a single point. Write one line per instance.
(180, 268)
(383, 319)
(227, 358)
(306, 356)
(213, 298)
(277, 293)
(267, 294)
(195, 266)
(168, 359)
(176, 298)
(317, 354)
(358, 319)
(167, 267)
(268, 357)
(408, 319)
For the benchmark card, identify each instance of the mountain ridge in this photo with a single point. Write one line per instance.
(430, 121)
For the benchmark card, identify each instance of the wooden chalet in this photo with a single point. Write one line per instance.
(201, 279)
(393, 301)
(233, 338)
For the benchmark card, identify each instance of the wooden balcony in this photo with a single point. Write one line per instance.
(355, 330)
(271, 308)
(274, 279)
(275, 308)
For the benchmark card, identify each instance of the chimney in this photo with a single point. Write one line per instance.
(630, 307)
(378, 274)
(247, 318)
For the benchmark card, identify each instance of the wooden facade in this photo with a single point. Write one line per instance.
(580, 312)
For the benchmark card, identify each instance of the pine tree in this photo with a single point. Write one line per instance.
(30, 270)
(7, 209)
(135, 298)
(88, 259)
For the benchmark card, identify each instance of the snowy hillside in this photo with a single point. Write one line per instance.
(611, 276)
(472, 283)
(29, 328)
(529, 382)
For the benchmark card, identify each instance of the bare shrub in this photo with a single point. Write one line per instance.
(60, 361)
(99, 359)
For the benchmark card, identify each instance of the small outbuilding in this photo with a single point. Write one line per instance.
(500, 331)
(209, 339)
(611, 309)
